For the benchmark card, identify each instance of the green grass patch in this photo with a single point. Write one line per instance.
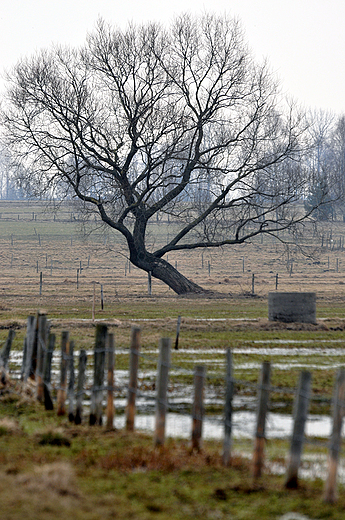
(120, 475)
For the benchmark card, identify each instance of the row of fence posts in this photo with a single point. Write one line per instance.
(39, 346)
(301, 406)
(149, 277)
(329, 242)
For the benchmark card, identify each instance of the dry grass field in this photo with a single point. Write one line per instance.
(36, 239)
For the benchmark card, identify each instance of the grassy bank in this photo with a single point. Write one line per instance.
(51, 470)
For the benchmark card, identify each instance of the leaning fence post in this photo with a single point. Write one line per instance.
(198, 406)
(30, 343)
(48, 403)
(133, 373)
(41, 351)
(71, 382)
(259, 441)
(335, 442)
(34, 347)
(110, 381)
(300, 418)
(5, 354)
(98, 380)
(229, 392)
(61, 394)
(162, 387)
(80, 386)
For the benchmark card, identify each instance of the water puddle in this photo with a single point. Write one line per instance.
(301, 351)
(199, 319)
(279, 426)
(180, 402)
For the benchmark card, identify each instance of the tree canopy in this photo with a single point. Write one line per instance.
(176, 120)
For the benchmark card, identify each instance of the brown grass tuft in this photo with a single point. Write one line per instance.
(9, 426)
(57, 477)
(164, 458)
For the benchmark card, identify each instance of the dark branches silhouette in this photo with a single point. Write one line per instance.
(159, 120)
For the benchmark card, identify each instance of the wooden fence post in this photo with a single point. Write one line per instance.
(102, 298)
(32, 335)
(110, 380)
(94, 301)
(71, 380)
(98, 379)
(198, 406)
(80, 386)
(162, 387)
(29, 347)
(61, 394)
(229, 392)
(25, 353)
(149, 283)
(259, 441)
(300, 418)
(5, 354)
(41, 352)
(133, 374)
(177, 332)
(335, 442)
(48, 403)
(35, 347)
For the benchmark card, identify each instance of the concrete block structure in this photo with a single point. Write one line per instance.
(292, 307)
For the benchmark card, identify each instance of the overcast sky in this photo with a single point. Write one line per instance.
(303, 40)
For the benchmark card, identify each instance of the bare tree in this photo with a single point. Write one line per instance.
(323, 179)
(325, 164)
(338, 148)
(8, 186)
(154, 120)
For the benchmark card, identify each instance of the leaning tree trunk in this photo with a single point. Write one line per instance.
(162, 270)
(172, 277)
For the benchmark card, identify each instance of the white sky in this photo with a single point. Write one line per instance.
(303, 40)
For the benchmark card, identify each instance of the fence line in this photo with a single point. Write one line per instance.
(37, 361)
